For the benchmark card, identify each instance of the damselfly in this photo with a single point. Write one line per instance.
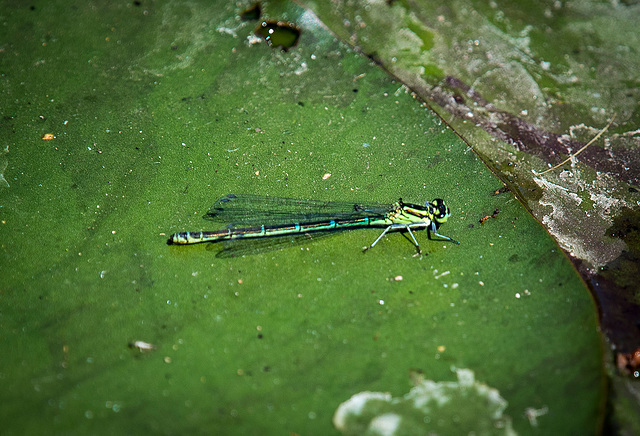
(251, 216)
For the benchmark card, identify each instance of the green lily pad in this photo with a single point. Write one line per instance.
(157, 111)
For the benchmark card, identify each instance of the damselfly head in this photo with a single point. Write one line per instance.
(439, 210)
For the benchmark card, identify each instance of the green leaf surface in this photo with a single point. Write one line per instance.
(158, 110)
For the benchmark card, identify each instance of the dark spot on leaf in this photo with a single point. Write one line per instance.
(279, 33)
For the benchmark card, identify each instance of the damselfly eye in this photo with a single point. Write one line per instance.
(441, 211)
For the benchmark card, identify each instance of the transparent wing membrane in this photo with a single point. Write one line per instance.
(241, 247)
(255, 210)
